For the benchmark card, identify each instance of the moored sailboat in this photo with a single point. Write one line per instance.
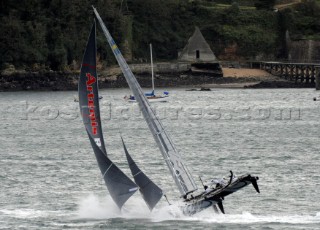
(151, 96)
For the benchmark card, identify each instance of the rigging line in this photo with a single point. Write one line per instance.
(107, 170)
(166, 198)
(136, 174)
(231, 177)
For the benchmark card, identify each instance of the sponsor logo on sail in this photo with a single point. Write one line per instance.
(92, 115)
(97, 141)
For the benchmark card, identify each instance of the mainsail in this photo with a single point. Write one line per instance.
(150, 191)
(120, 187)
(175, 163)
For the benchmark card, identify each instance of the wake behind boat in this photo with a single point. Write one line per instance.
(195, 201)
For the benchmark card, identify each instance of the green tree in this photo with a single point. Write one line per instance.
(264, 4)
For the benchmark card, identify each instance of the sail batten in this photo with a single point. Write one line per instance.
(120, 187)
(179, 172)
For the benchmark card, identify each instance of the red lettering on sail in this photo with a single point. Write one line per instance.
(92, 115)
(90, 105)
(91, 79)
(94, 130)
(92, 118)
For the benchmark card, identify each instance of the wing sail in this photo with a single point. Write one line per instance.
(120, 187)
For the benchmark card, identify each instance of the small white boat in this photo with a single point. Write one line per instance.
(316, 98)
(151, 97)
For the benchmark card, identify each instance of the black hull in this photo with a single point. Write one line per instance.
(216, 196)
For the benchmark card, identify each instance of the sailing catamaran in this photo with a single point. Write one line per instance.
(214, 193)
(152, 97)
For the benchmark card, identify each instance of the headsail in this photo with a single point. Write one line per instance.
(151, 193)
(177, 167)
(119, 185)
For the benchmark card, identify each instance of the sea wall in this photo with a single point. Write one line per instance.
(22, 80)
(318, 78)
(69, 81)
(167, 75)
(162, 67)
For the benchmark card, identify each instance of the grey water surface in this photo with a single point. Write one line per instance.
(49, 178)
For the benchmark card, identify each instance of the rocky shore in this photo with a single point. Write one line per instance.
(53, 81)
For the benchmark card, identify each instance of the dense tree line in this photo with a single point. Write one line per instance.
(264, 4)
(52, 33)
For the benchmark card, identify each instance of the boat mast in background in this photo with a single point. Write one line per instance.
(152, 74)
(152, 97)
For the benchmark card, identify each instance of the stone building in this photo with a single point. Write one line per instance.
(198, 53)
(197, 49)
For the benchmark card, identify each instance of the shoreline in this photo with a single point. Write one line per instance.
(64, 81)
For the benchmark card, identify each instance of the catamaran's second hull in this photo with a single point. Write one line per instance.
(215, 196)
(197, 206)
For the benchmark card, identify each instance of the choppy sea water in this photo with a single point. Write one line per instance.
(49, 178)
